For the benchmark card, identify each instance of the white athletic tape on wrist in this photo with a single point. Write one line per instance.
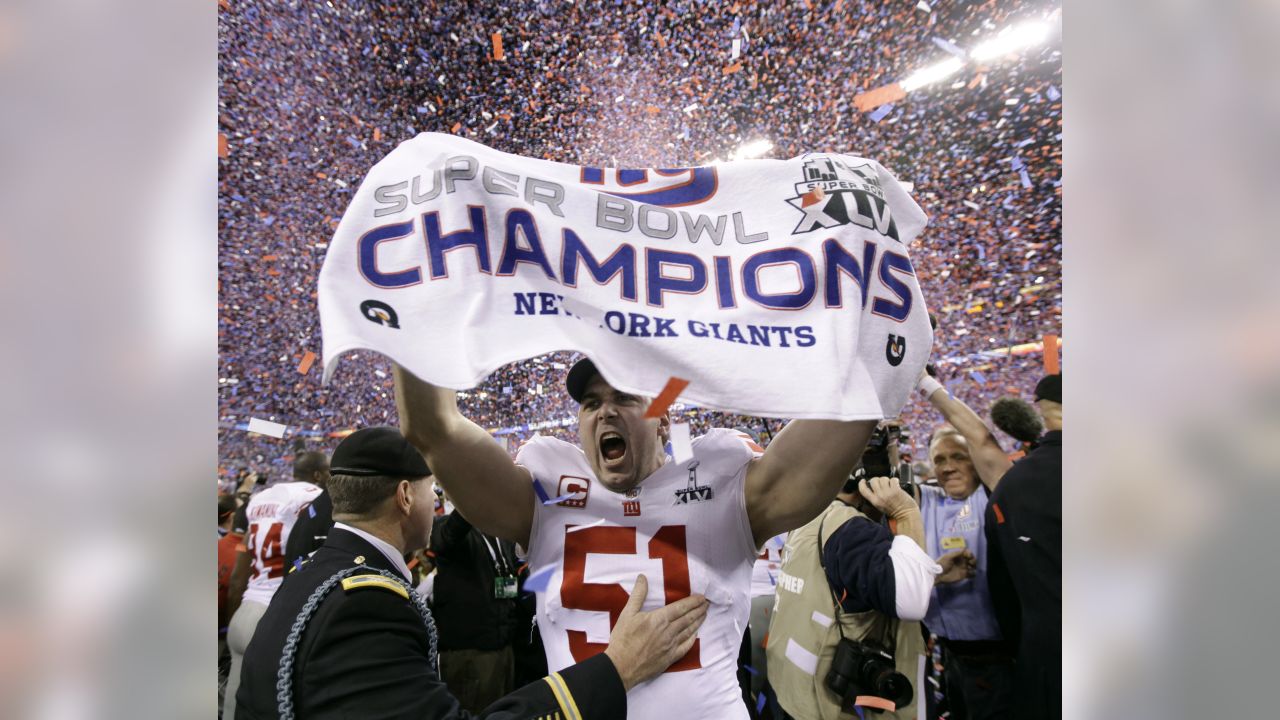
(928, 385)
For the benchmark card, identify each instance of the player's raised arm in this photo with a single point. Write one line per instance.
(989, 459)
(801, 472)
(483, 481)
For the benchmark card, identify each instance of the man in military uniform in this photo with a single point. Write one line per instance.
(345, 636)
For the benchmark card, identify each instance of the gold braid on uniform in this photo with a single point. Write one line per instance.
(284, 676)
(564, 698)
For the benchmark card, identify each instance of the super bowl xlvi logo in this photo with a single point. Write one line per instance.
(835, 193)
(694, 492)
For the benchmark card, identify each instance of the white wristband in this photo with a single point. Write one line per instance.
(928, 385)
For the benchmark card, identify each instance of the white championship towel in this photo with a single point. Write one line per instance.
(776, 287)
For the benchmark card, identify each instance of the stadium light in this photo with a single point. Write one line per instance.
(932, 74)
(1010, 40)
(746, 151)
(753, 149)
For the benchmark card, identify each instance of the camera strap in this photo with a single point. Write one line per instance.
(822, 563)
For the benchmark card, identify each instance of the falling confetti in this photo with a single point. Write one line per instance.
(307, 360)
(539, 580)
(663, 401)
(1051, 354)
(681, 446)
(266, 427)
(881, 112)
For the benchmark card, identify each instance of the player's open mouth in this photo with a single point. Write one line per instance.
(613, 448)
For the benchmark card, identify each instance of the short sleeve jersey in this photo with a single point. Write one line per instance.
(271, 516)
(685, 527)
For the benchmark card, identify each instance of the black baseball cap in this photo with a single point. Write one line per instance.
(578, 378)
(378, 451)
(1050, 388)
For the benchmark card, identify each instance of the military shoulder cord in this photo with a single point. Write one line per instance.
(284, 676)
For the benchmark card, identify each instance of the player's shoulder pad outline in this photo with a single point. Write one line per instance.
(360, 582)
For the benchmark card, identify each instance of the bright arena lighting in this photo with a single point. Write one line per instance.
(753, 149)
(1011, 40)
(932, 74)
(746, 151)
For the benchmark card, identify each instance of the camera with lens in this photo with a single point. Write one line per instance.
(863, 669)
(876, 461)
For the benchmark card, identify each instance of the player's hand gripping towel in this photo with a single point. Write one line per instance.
(777, 287)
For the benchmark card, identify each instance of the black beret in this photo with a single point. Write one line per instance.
(1050, 388)
(378, 451)
(578, 378)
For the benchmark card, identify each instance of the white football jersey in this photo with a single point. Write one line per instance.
(272, 513)
(685, 528)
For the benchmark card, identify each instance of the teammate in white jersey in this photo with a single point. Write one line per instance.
(271, 514)
(619, 506)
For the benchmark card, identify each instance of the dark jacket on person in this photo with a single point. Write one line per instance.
(1025, 514)
(462, 599)
(1026, 510)
(310, 529)
(526, 640)
(366, 652)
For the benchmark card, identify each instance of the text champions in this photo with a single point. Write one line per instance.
(514, 241)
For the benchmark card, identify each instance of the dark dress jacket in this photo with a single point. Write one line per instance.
(310, 529)
(367, 653)
(1026, 513)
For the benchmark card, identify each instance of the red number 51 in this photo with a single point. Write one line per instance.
(667, 545)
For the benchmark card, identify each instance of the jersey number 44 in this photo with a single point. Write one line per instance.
(265, 550)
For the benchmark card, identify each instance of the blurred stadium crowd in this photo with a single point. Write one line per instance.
(312, 95)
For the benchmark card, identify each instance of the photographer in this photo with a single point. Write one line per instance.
(845, 629)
